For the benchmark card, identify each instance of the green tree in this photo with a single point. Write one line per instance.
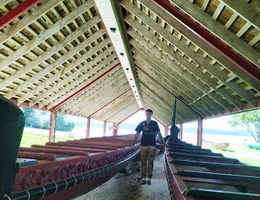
(250, 121)
(63, 123)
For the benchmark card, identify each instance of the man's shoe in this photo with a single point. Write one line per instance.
(143, 181)
(148, 182)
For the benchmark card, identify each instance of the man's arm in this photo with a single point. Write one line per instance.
(162, 139)
(135, 138)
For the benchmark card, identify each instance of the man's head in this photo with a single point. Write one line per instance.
(148, 114)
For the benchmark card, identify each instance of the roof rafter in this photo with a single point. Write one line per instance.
(47, 33)
(91, 98)
(239, 65)
(174, 41)
(70, 93)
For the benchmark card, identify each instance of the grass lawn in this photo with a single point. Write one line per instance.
(241, 152)
(30, 138)
(235, 150)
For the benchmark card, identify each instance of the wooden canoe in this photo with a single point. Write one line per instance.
(194, 173)
(216, 145)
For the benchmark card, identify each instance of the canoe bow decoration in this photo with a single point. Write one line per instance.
(62, 170)
(11, 130)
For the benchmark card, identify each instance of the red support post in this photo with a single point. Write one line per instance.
(88, 127)
(181, 131)
(200, 132)
(104, 128)
(17, 12)
(52, 128)
(115, 129)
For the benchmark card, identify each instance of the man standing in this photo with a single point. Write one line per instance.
(149, 129)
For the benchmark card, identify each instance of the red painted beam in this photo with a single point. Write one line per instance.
(110, 102)
(26, 105)
(87, 85)
(211, 40)
(130, 115)
(18, 11)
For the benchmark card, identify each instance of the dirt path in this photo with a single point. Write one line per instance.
(122, 187)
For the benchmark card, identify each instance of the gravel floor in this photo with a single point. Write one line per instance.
(126, 187)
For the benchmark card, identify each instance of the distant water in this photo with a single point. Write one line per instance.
(192, 138)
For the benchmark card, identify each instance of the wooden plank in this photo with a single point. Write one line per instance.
(45, 34)
(60, 61)
(70, 89)
(99, 98)
(51, 51)
(218, 11)
(123, 113)
(244, 10)
(189, 52)
(18, 11)
(243, 30)
(4, 2)
(170, 89)
(231, 20)
(27, 20)
(103, 86)
(254, 40)
(214, 26)
(182, 61)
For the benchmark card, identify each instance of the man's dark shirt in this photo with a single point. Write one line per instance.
(149, 132)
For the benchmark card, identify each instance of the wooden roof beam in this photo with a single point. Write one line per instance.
(195, 83)
(82, 70)
(65, 70)
(120, 118)
(112, 108)
(17, 12)
(26, 20)
(50, 52)
(171, 93)
(187, 65)
(160, 86)
(94, 103)
(71, 93)
(212, 45)
(170, 83)
(95, 100)
(92, 97)
(108, 103)
(46, 34)
(160, 97)
(180, 45)
(244, 10)
(111, 14)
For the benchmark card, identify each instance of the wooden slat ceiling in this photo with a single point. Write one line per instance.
(58, 55)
